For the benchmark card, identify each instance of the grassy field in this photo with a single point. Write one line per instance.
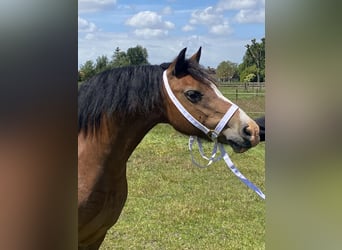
(174, 205)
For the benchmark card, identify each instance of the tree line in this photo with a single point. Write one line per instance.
(133, 56)
(252, 68)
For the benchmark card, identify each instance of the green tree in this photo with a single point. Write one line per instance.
(102, 64)
(254, 59)
(134, 56)
(87, 70)
(119, 58)
(226, 70)
(137, 55)
(249, 78)
(248, 71)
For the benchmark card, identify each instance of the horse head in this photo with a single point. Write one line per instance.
(197, 92)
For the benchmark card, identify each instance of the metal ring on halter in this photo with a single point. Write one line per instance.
(213, 135)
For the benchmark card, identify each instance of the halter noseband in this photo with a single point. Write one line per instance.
(213, 135)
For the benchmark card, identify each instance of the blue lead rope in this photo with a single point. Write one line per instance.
(225, 157)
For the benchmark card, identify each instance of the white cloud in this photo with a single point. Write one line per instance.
(89, 36)
(211, 17)
(250, 16)
(149, 24)
(187, 28)
(193, 42)
(167, 10)
(221, 29)
(149, 19)
(86, 26)
(95, 5)
(148, 33)
(207, 16)
(246, 11)
(249, 11)
(169, 25)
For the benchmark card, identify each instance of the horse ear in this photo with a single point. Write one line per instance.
(196, 57)
(179, 63)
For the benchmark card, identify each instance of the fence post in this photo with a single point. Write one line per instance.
(236, 94)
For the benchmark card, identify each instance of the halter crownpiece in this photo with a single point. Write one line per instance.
(213, 135)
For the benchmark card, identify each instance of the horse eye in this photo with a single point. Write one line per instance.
(193, 96)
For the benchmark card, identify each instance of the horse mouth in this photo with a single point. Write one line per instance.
(238, 147)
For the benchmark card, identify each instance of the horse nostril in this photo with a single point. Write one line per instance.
(247, 131)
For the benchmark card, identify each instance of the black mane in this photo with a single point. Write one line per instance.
(126, 91)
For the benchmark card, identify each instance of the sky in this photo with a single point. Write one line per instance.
(164, 27)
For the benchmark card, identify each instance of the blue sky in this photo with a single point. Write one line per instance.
(164, 27)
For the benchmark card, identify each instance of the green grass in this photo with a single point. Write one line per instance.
(174, 205)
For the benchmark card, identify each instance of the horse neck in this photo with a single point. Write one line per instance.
(124, 135)
(108, 149)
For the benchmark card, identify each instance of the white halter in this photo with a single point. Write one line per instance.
(213, 134)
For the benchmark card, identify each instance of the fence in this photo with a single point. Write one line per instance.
(246, 85)
(242, 88)
(249, 96)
